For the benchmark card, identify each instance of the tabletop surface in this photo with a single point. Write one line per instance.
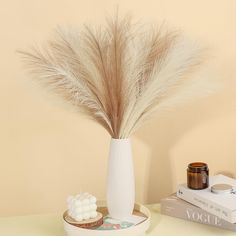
(51, 225)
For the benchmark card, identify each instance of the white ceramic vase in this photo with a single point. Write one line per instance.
(120, 180)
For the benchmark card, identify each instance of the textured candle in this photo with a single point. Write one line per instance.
(82, 207)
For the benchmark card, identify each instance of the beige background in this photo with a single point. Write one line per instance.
(48, 151)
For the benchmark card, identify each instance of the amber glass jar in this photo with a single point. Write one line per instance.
(198, 175)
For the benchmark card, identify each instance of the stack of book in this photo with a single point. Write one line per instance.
(203, 206)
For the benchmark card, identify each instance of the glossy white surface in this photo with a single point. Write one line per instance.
(138, 230)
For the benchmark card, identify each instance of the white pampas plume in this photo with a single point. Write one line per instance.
(119, 75)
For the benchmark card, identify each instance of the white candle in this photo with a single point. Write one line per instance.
(82, 206)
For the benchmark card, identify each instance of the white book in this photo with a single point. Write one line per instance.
(176, 207)
(221, 205)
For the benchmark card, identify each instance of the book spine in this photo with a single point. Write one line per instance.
(205, 204)
(189, 212)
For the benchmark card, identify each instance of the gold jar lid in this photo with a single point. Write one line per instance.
(221, 188)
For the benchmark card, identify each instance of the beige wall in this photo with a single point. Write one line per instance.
(48, 152)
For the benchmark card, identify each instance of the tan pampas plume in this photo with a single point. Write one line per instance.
(119, 75)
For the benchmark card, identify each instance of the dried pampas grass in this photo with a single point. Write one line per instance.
(118, 75)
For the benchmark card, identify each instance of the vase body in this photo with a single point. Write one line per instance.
(120, 180)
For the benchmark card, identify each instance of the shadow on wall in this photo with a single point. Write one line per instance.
(163, 133)
(227, 173)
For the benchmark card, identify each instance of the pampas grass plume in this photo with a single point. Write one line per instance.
(118, 75)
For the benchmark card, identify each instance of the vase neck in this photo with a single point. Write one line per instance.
(122, 140)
